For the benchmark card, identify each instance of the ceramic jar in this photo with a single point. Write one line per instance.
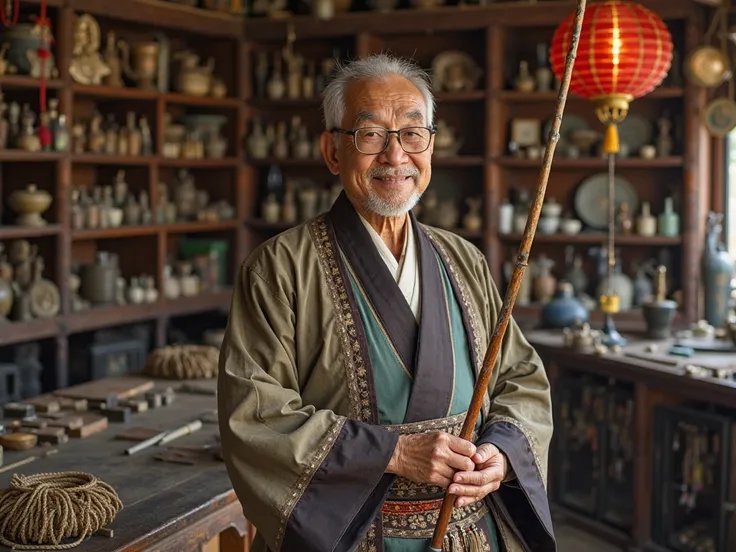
(189, 282)
(99, 279)
(136, 293)
(564, 309)
(646, 223)
(172, 286)
(544, 284)
(669, 221)
(506, 217)
(270, 209)
(6, 288)
(473, 220)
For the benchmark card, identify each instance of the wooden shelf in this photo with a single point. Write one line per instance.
(457, 97)
(183, 99)
(123, 93)
(199, 163)
(284, 103)
(22, 156)
(592, 162)
(113, 233)
(18, 332)
(595, 237)
(459, 161)
(166, 15)
(24, 81)
(122, 160)
(152, 230)
(444, 18)
(512, 96)
(184, 227)
(288, 162)
(21, 232)
(94, 319)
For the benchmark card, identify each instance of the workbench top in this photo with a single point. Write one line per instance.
(657, 369)
(159, 498)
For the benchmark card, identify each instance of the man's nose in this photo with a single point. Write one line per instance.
(394, 154)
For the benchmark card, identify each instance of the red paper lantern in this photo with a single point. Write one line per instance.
(625, 51)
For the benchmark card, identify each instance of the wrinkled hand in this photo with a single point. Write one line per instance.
(432, 458)
(490, 470)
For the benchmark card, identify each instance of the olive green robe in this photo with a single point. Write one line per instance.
(302, 438)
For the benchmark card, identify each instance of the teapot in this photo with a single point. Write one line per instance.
(194, 79)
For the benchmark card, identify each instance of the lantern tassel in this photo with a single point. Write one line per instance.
(610, 142)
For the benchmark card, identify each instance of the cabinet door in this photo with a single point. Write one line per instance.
(579, 411)
(617, 474)
(691, 453)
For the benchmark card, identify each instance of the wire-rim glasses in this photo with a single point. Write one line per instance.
(374, 140)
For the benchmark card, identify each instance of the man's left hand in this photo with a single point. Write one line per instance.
(491, 467)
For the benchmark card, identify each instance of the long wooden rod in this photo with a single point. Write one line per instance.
(484, 377)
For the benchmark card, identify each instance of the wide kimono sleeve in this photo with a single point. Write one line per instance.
(308, 479)
(520, 425)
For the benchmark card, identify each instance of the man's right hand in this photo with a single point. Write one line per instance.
(431, 458)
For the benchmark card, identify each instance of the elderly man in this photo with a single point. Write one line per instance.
(351, 352)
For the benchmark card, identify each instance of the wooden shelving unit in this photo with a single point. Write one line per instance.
(498, 37)
(142, 248)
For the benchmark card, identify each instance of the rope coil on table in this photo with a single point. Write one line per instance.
(37, 512)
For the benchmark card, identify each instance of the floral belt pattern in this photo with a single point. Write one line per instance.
(416, 519)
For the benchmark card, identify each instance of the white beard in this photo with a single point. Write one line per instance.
(381, 207)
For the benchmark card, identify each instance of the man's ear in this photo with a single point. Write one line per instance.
(329, 151)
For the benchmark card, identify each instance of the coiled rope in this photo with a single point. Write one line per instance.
(37, 512)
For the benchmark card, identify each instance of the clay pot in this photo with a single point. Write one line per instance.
(29, 204)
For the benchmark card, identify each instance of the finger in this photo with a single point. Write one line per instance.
(474, 478)
(474, 491)
(459, 462)
(465, 501)
(485, 452)
(461, 446)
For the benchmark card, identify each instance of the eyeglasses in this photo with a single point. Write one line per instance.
(374, 140)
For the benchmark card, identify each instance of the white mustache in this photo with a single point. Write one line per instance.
(385, 172)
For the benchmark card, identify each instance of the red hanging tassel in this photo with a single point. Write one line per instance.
(4, 14)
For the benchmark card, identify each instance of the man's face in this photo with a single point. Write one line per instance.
(389, 183)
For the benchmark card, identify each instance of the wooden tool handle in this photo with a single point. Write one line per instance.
(484, 377)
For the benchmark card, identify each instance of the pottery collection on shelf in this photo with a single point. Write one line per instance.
(282, 140)
(194, 137)
(25, 293)
(145, 64)
(104, 136)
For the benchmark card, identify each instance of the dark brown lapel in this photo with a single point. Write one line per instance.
(424, 348)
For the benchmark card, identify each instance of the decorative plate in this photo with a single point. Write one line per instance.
(720, 116)
(635, 131)
(591, 199)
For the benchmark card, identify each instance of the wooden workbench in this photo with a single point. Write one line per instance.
(660, 379)
(166, 506)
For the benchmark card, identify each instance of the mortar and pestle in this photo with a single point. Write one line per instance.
(659, 312)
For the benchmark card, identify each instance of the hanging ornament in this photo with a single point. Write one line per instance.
(624, 52)
(9, 12)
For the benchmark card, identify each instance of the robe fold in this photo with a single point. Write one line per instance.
(324, 364)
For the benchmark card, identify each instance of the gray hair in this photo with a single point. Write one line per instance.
(375, 67)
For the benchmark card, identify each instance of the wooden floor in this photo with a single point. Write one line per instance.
(571, 539)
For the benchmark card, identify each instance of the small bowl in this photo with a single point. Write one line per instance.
(570, 226)
(548, 225)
